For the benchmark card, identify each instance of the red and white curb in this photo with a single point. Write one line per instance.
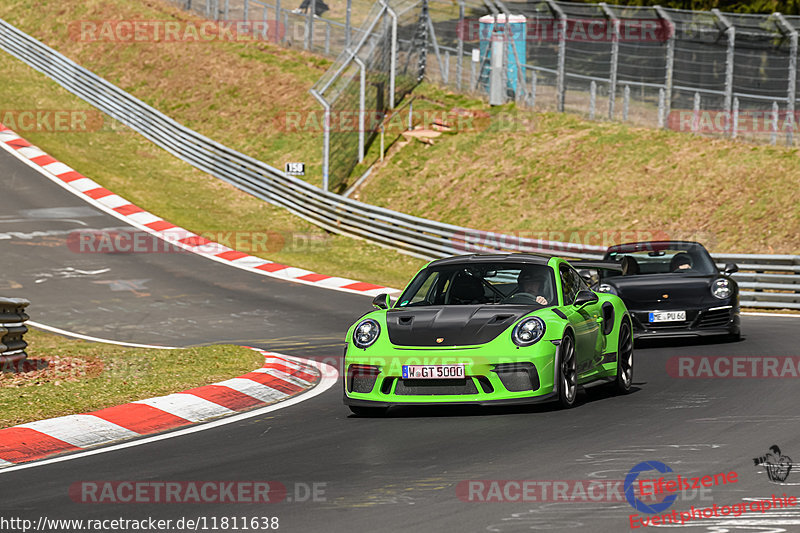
(282, 377)
(122, 209)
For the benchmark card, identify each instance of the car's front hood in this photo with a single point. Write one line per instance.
(646, 291)
(452, 325)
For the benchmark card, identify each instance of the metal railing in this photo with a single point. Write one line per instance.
(412, 235)
(12, 329)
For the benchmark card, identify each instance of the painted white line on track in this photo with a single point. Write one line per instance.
(96, 339)
(329, 377)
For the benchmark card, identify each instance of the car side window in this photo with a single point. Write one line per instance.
(570, 284)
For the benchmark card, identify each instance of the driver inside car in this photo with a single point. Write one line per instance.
(530, 286)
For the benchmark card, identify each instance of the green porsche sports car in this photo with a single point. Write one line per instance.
(488, 329)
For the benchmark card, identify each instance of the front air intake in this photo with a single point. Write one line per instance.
(361, 378)
(517, 377)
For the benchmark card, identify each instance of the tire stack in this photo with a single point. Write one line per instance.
(12, 330)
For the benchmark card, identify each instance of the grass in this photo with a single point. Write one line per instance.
(72, 376)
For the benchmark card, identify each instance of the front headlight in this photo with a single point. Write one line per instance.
(721, 288)
(528, 332)
(366, 333)
(606, 288)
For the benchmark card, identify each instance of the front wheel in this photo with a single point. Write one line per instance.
(367, 412)
(624, 380)
(568, 373)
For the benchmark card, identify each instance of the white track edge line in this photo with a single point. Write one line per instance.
(97, 339)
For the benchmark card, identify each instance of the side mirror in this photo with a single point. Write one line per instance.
(730, 268)
(585, 297)
(382, 301)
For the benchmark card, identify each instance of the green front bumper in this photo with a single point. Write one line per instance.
(486, 367)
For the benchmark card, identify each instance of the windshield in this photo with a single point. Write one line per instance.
(671, 257)
(482, 284)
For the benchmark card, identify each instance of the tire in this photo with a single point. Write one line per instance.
(567, 373)
(367, 412)
(624, 379)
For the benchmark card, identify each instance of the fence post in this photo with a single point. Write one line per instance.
(626, 102)
(592, 98)
(227, 7)
(347, 28)
(277, 20)
(612, 89)
(326, 139)
(731, 31)
(362, 92)
(328, 38)
(791, 93)
(532, 95)
(264, 31)
(735, 121)
(670, 60)
(460, 45)
(562, 53)
(661, 104)
(393, 59)
(696, 114)
(447, 63)
(774, 135)
(310, 25)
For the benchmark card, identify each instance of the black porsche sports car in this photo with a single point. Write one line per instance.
(673, 288)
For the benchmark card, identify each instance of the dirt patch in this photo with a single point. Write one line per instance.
(49, 369)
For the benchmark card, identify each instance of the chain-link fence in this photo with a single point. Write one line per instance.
(702, 72)
(367, 80)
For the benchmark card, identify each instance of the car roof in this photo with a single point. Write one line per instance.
(534, 259)
(649, 245)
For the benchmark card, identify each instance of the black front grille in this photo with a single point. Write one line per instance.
(717, 318)
(518, 377)
(429, 387)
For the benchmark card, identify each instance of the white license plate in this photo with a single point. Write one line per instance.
(433, 371)
(668, 316)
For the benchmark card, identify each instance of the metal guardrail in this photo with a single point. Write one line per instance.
(427, 239)
(12, 329)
